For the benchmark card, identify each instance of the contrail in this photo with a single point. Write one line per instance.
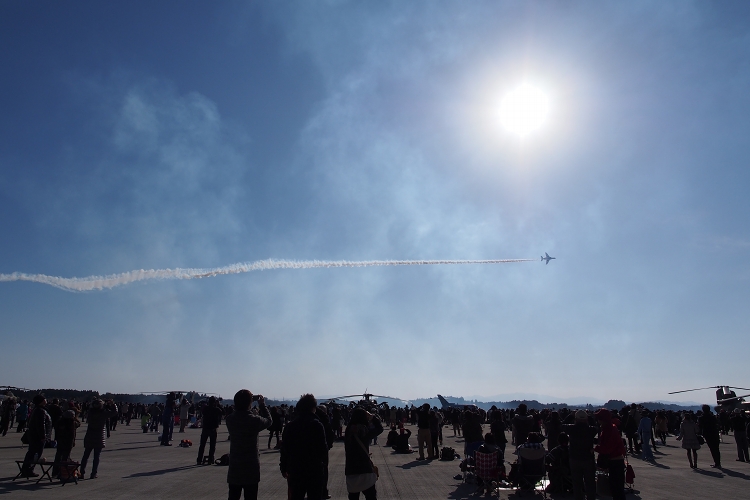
(89, 283)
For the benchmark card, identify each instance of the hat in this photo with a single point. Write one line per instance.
(582, 415)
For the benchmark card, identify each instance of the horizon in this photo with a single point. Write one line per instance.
(191, 136)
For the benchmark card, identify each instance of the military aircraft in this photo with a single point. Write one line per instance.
(547, 258)
(726, 398)
(446, 404)
(367, 398)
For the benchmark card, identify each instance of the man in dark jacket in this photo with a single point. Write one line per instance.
(424, 437)
(322, 415)
(65, 432)
(40, 429)
(304, 452)
(211, 421)
(581, 448)
(739, 425)
(522, 424)
(709, 426)
(55, 412)
(244, 458)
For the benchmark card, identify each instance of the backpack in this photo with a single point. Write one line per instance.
(447, 453)
(223, 460)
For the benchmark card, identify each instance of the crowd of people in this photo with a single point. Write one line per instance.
(577, 443)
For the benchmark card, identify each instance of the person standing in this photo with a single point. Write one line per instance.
(522, 424)
(689, 436)
(94, 440)
(322, 414)
(424, 437)
(244, 457)
(709, 426)
(65, 433)
(739, 427)
(276, 427)
(167, 419)
(8, 413)
(304, 452)
(582, 464)
(22, 413)
(40, 430)
(497, 427)
(645, 434)
(359, 469)
(611, 450)
(211, 421)
(184, 414)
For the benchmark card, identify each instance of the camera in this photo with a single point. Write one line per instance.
(256, 397)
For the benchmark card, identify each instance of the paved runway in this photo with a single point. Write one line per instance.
(134, 465)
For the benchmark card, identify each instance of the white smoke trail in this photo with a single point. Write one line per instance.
(89, 283)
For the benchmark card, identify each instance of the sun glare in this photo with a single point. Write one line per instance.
(524, 110)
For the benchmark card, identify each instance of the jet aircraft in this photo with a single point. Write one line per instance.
(547, 258)
(446, 404)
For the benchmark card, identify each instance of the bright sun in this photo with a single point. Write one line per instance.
(524, 110)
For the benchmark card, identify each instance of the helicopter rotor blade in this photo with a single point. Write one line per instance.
(728, 400)
(740, 388)
(699, 389)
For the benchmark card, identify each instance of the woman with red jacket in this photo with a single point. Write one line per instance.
(612, 452)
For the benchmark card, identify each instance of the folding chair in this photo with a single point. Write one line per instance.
(532, 470)
(469, 463)
(487, 469)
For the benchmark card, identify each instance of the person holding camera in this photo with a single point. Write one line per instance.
(361, 473)
(244, 457)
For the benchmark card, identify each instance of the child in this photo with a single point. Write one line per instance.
(144, 422)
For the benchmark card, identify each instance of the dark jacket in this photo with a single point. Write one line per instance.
(709, 427)
(40, 425)
(211, 418)
(65, 432)
(522, 425)
(304, 449)
(330, 436)
(95, 433)
(243, 427)
(55, 412)
(581, 440)
(357, 447)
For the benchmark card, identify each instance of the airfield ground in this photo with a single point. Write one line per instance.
(134, 466)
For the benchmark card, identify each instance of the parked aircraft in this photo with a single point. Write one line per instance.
(726, 398)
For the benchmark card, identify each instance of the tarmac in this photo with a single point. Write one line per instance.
(133, 465)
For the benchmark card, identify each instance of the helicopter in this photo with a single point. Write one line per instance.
(367, 399)
(726, 398)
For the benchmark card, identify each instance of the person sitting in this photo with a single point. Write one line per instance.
(392, 436)
(402, 442)
(558, 466)
(489, 446)
(534, 440)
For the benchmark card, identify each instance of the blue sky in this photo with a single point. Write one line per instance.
(146, 135)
